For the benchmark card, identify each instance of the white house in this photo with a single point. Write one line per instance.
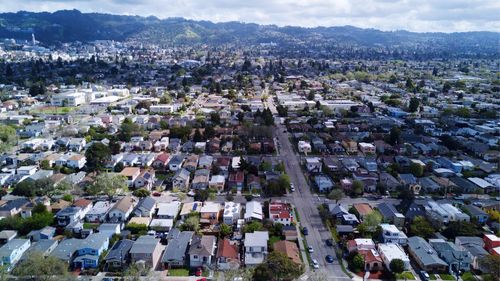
(304, 147)
(391, 251)
(12, 252)
(256, 247)
(76, 161)
(232, 212)
(391, 234)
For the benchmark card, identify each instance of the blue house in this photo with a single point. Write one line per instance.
(87, 256)
(45, 233)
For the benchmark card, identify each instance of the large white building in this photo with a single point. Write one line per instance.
(390, 251)
(68, 99)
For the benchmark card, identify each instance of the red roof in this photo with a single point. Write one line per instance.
(82, 203)
(227, 250)
(163, 157)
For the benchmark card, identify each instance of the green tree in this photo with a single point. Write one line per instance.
(97, 155)
(460, 228)
(371, 221)
(397, 266)
(8, 138)
(38, 267)
(277, 267)
(394, 135)
(252, 227)
(137, 228)
(490, 264)
(416, 169)
(128, 129)
(336, 194)
(225, 230)
(357, 263)
(357, 187)
(141, 193)
(108, 184)
(422, 227)
(414, 104)
(192, 223)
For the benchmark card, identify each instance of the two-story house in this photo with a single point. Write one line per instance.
(256, 247)
(202, 250)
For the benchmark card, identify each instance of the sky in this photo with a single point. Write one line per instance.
(412, 15)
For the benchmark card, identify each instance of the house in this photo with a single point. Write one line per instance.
(118, 256)
(145, 207)
(68, 215)
(12, 252)
(217, 183)
(475, 246)
(66, 249)
(76, 161)
(99, 211)
(491, 242)
(373, 260)
(202, 250)
(479, 215)
(253, 182)
(168, 210)
(145, 179)
(13, 207)
(131, 173)
(177, 249)
(323, 183)
(7, 235)
(44, 247)
(109, 229)
(280, 212)
(350, 146)
(85, 206)
(391, 215)
(389, 252)
(337, 210)
(161, 225)
(91, 248)
(46, 233)
(210, 213)
(366, 148)
(121, 211)
(290, 232)
(180, 180)
(228, 255)
(236, 180)
(304, 147)
(205, 162)
(175, 163)
(425, 256)
(290, 249)
(391, 234)
(161, 161)
(359, 244)
(256, 247)
(253, 211)
(201, 179)
(313, 164)
(146, 249)
(457, 259)
(232, 213)
(363, 209)
(190, 207)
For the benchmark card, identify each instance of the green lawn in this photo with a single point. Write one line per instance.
(447, 276)
(297, 218)
(178, 272)
(87, 225)
(432, 277)
(53, 110)
(274, 239)
(405, 275)
(467, 276)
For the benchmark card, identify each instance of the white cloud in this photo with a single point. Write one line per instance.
(413, 15)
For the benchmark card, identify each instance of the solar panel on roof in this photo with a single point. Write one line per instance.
(195, 206)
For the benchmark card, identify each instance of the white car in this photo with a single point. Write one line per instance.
(310, 249)
(315, 263)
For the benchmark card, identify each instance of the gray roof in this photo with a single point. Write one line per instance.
(146, 203)
(177, 247)
(120, 250)
(449, 252)
(144, 244)
(202, 245)
(67, 248)
(388, 210)
(41, 246)
(424, 252)
(95, 240)
(475, 211)
(13, 244)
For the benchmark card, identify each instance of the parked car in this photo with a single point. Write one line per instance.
(329, 242)
(305, 231)
(329, 259)
(315, 263)
(424, 275)
(198, 272)
(310, 249)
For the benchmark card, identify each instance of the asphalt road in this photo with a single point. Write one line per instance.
(306, 205)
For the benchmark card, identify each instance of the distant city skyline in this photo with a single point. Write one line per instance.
(411, 15)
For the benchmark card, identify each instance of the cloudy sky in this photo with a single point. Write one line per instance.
(413, 15)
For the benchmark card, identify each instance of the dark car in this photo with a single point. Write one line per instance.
(329, 259)
(329, 242)
(305, 231)
(424, 275)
